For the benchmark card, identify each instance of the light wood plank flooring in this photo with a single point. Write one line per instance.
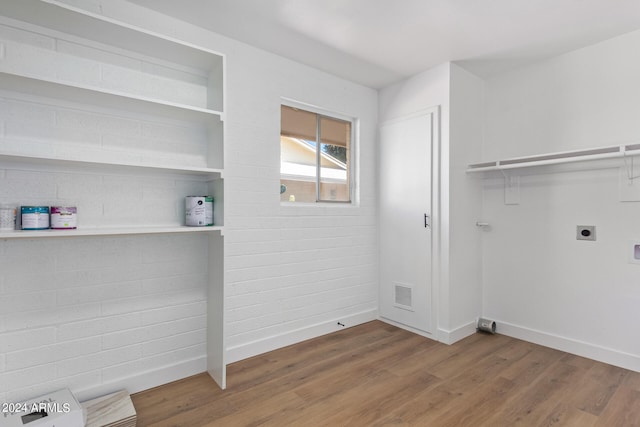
(378, 375)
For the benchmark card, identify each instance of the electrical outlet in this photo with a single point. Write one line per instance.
(634, 253)
(586, 232)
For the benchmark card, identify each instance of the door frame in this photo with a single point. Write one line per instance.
(436, 227)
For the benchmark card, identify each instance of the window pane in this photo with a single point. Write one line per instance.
(298, 191)
(334, 131)
(297, 170)
(296, 123)
(334, 159)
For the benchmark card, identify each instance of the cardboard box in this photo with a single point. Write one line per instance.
(57, 409)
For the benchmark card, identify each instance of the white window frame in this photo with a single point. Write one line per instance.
(353, 144)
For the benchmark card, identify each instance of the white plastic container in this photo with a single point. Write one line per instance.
(8, 217)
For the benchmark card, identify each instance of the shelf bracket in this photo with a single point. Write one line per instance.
(629, 166)
(511, 189)
(629, 188)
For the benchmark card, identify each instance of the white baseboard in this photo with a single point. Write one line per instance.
(461, 332)
(441, 335)
(408, 328)
(146, 380)
(254, 348)
(580, 348)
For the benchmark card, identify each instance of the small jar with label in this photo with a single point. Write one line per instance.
(34, 217)
(64, 217)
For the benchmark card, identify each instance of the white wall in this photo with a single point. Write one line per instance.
(291, 272)
(457, 200)
(540, 283)
(465, 200)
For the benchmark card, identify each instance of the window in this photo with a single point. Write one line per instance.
(309, 174)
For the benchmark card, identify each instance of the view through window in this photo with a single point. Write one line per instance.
(309, 174)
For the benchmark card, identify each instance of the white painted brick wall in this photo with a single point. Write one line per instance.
(54, 316)
(166, 314)
(91, 362)
(175, 342)
(102, 200)
(42, 355)
(48, 58)
(27, 378)
(96, 327)
(81, 312)
(291, 267)
(133, 368)
(40, 126)
(288, 268)
(20, 340)
(152, 332)
(26, 37)
(97, 55)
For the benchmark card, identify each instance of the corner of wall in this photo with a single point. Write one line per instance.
(465, 197)
(452, 336)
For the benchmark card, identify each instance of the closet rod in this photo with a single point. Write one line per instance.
(557, 158)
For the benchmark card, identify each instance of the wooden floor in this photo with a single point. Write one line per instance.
(378, 375)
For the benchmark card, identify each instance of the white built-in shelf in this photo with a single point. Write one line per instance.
(104, 231)
(27, 162)
(70, 20)
(621, 151)
(79, 93)
(56, 60)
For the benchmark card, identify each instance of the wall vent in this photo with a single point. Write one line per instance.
(403, 296)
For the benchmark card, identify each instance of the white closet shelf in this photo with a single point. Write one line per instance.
(68, 91)
(104, 231)
(68, 19)
(557, 158)
(20, 161)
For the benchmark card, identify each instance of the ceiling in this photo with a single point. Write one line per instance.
(378, 42)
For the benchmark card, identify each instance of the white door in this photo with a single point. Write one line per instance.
(405, 221)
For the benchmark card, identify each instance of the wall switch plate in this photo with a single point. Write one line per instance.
(586, 232)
